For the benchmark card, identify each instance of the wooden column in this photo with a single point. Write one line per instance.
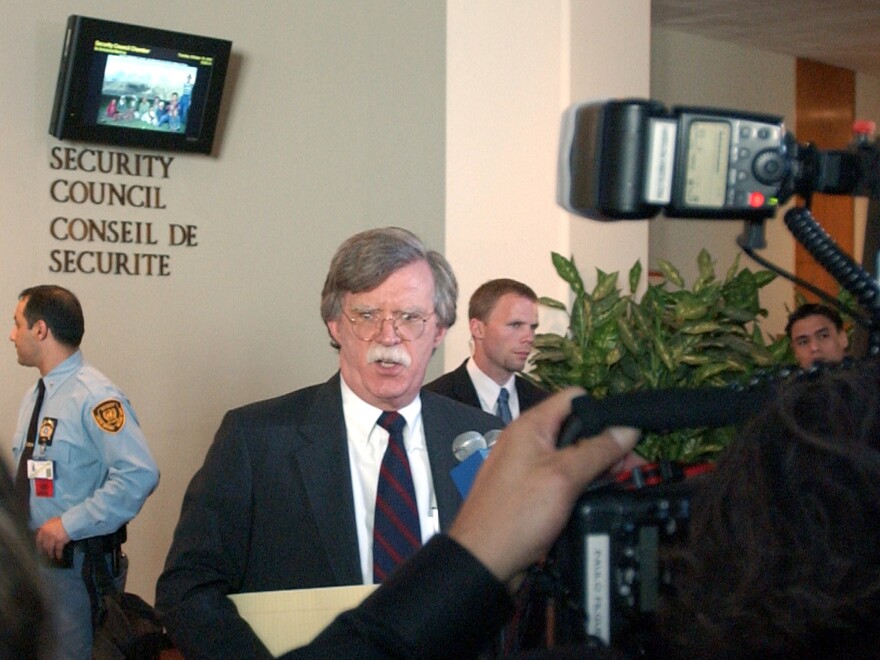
(825, 112)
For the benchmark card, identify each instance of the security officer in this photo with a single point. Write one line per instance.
(84, 468)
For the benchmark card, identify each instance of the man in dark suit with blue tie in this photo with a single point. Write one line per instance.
(503, 317)
(291, 488)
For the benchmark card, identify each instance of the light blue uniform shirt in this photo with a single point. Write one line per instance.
(104, 471)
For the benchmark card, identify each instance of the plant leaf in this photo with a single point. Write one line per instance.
(705, 265)
(606, 283)
(764, 277)
(568, 272)
(552, 303)
(670, 272)
(635, 276)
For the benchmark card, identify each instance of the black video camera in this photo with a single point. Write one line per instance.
(616, 560)
(612, 559)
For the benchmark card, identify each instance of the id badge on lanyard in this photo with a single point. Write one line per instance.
(41, 470)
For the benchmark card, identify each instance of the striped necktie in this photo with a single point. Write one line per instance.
(396, 530)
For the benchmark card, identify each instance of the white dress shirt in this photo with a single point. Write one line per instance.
(488, 390)
(366, 446)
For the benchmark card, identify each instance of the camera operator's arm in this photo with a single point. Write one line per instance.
(453, 595)
(524, 493)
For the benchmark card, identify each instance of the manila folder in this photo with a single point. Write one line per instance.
(285, 620)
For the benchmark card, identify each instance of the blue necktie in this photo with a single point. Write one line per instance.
(502, 408)
(396, 530)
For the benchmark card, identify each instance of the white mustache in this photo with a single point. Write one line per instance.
(393, 354)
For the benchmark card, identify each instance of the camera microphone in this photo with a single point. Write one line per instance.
(663, 410)
(467, 443)
(491, 437)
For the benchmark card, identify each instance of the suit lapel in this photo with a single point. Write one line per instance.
(528, 394)
(464, 387)
(325, 468)
(439, 443)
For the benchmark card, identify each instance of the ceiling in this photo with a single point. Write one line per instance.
(844, 33)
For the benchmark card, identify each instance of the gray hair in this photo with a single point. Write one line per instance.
(367, 259)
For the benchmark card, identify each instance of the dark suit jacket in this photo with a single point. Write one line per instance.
(457, 384)
(272, 508)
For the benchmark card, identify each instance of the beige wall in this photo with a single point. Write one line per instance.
(513, 68)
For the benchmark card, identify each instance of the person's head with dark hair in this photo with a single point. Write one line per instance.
(24, 609)
(48, 326)
(387, 303)
(503, 317)
(58, 308)
(816, 333)
(784, 551)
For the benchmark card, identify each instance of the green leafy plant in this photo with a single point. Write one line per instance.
(674, 336)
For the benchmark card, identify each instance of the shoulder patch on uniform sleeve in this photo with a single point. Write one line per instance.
(110, 415)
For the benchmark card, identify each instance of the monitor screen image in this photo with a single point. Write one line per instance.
(137, 86)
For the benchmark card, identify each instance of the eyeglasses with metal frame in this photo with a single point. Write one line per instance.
(367, 324)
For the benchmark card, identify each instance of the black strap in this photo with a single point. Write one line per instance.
(96, 574)
(22, 483)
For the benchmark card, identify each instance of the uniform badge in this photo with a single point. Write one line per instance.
(110, 415)
(47, 431)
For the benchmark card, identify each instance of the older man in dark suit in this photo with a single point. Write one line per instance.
(291, 492)
(503, 317)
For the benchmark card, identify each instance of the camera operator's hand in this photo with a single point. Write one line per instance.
(524, 493)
